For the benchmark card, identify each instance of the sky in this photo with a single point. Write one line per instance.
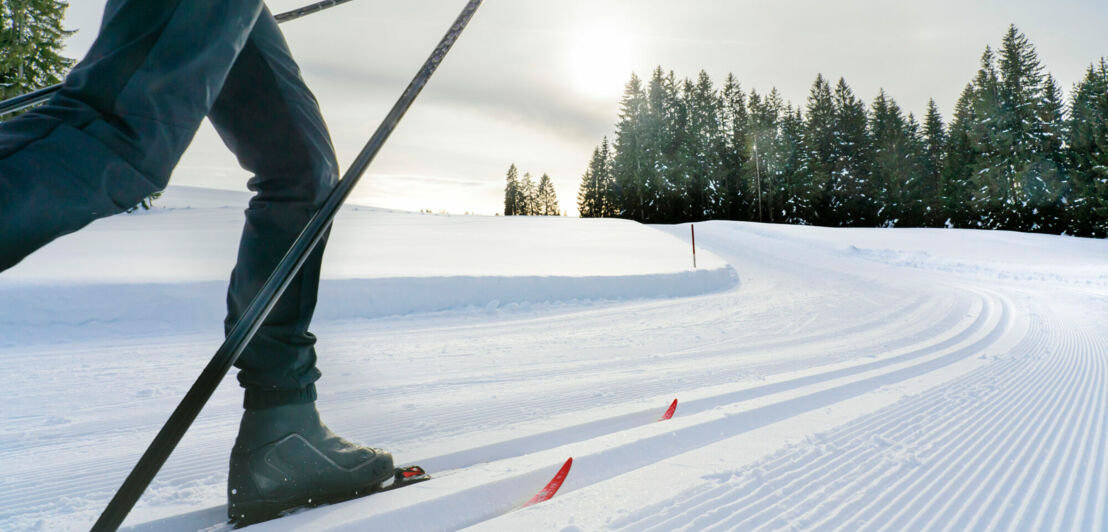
(538, 83)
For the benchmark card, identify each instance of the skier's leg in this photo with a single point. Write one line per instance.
(121, 121)
(268, 117)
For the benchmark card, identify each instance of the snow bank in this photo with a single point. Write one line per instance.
(165, 270)
(976, 254)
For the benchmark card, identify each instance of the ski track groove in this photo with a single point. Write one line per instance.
(991, 321)
(837, 393)
(846, 455)
(1041, 411)
(944, 443)
(953, 470)
(192, 464)
(786, 464)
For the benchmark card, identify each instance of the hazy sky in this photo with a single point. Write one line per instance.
(537, 83)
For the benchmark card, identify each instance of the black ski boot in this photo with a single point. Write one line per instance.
(285, 458)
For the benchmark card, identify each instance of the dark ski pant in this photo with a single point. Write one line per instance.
(120, 124)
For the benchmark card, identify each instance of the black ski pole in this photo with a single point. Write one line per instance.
(181, 419)
(23, 101)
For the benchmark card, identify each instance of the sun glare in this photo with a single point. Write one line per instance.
(599, 62)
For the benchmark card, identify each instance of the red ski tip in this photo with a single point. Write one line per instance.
(552, 487)
(670, 411)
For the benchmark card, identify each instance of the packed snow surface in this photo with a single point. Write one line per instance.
(828, 379)
(166, 270)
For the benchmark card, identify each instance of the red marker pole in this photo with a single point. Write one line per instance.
(693, 229)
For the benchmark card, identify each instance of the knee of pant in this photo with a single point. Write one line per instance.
(308, 184)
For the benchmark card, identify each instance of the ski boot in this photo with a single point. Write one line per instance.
(285, 458)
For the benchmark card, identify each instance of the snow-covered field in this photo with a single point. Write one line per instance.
(828, 378)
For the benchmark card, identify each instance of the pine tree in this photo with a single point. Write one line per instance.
(668, 117)
(596, 195)
(931, 174)
(992, 196)
(960, 158)
(513, 199)
(528, 196)
(607, 181)
(1018, 174)
(546, 200)
(31, 42)
(701, 168)
(890, 187)
(1045, 177)
(849, 191)
(820, 141)
(802, 193)
(768, 179)
(632, 160)
(731, 198)
(913, 196)
(1025, 95)
(1087, 135)
(762, 127)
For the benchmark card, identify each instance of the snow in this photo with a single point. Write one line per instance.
(855, 379)
(166, 270)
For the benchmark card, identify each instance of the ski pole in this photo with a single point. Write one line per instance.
(179, 422)
(23, 101)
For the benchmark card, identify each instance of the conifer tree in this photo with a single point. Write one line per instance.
(1024, 93)
(961, 157)
(993, 199)
(820, 141)
(528, 196)
(761, 129)
(632, 160)
(31, 42)
(731, 197)
(587, 192)
(701, 169)
(769, 181)
(1087, 135)
(546, 200)
(802, 194)
(668, 118)
(849, 190)
(1016, 184)
(1048, 184)
(607, 180)
(931, 185)
(913, 195)
(596, 195)
(513, 199)
(891, 184)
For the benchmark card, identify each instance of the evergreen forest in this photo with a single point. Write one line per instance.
(522, 197)
(1014, 155)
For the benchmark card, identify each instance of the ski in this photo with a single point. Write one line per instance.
(669, 412)
(402, 477)
(553, 486)
(23, 101)
(405, 476)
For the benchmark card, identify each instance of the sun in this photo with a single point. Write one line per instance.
(599, 62)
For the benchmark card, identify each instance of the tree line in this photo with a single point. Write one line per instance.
(522, 197)
(1015, 155)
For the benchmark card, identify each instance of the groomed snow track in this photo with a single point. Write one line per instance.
(1016, 445)
(826, 392)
